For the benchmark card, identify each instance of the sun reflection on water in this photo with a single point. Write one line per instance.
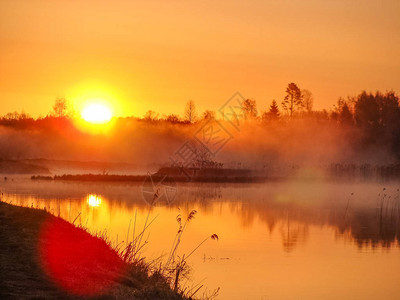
(93, 200)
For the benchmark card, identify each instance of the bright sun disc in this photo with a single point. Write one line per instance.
(96, 113)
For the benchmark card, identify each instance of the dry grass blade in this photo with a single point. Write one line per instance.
(191, 215)
(215, 237)
(76, 217)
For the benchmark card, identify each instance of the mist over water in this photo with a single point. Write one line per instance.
(313, 143)
(319, 236)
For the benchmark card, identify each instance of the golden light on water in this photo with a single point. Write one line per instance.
(96, 113)
(93, 200)
(289, 234)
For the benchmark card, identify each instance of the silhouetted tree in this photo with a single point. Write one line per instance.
(389, 109)
(17, 120)
(172, 118)
(274, 110)
(249, 108)
(293, 99)
(60, 107)
(378, 116)
(208, 114)
(12, 116)
(273, 113)
(367, 112)
(308, 100)
(150, 116)
(389, 120)
(345, 115)
(190, 112)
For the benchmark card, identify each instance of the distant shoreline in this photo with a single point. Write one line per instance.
(142, 178)
(336, 172)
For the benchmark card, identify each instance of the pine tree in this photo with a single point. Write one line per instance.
(274, 111)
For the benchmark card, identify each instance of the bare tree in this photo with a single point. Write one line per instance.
(249, 108)
(190, 112)
(150, 116)
(293, 99)
(60, 107)
(308, 100)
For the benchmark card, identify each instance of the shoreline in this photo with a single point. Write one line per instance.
(24, 270)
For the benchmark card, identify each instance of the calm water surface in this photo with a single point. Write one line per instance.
(289, 240)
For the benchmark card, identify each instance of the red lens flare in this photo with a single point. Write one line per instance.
(76, 261)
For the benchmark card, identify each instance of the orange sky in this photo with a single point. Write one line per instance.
(159, 54)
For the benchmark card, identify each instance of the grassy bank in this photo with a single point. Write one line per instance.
(28, 239)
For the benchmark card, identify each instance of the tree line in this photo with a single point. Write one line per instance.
(375, 117)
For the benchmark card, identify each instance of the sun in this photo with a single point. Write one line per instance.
(96, 113)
